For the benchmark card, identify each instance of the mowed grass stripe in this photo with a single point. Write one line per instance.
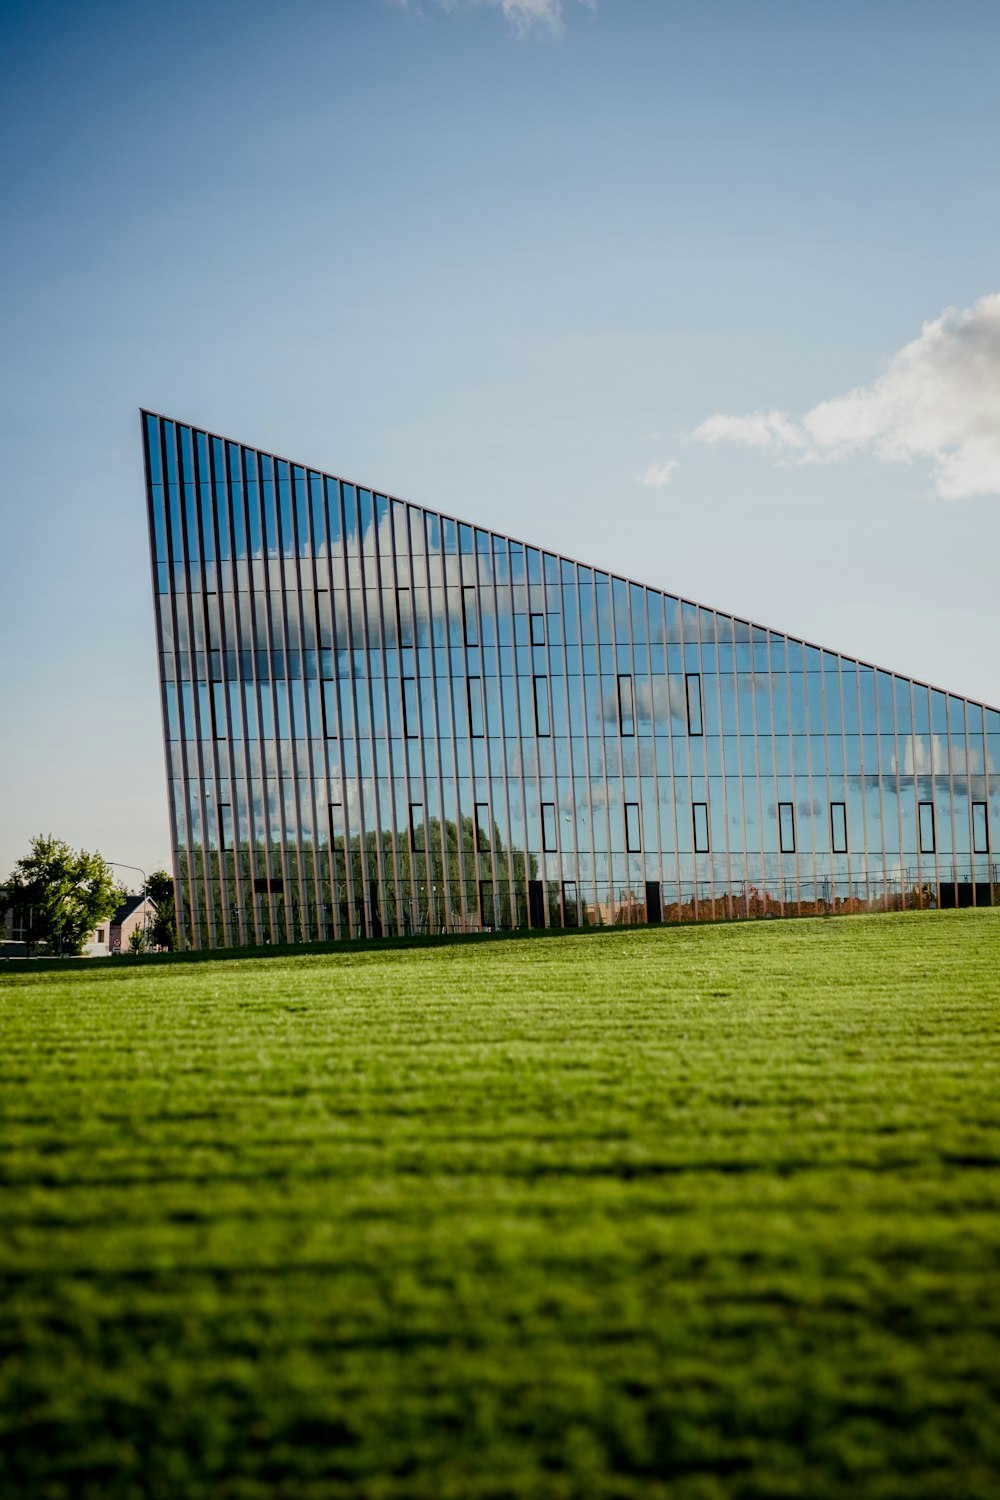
(694, 1212)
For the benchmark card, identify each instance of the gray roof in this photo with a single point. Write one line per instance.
(128, 906)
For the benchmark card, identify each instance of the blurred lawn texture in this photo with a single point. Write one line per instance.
(691, 1213)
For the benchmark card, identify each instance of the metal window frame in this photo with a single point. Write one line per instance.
(626, 712)
(984, 847)
(480, 699)
(550, 828)
(469, 592)
(415, 823)
(404, 622)
(411, 732)
(924, 846)
(540, 686)
(834, 849)
(695, 721)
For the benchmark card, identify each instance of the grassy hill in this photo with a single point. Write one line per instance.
(693, 1213)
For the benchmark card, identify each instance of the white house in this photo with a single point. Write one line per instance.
(113, 934)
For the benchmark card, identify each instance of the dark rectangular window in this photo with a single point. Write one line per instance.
(542, 706)
(404, 608)
(470, 619)
(980, 829)
(538, 630)
(571, 905)
(336, 822)
(417, 827)
(626, 705)
(692, 684)
(549, 827)
(225, 825)
(411, 708)
(484, 829)
(925, 811)
(474, 690)
(219, 710)
(324, 634)
(633, 828)
(330, 709)
(699, 818)
(786, 827)
(838, 827)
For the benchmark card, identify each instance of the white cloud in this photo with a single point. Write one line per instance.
(764, 429)
(938, 399)
(658, 475)
(522, 14)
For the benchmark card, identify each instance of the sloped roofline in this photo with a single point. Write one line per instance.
(575, 562)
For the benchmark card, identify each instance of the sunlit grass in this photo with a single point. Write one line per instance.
(698, 1212)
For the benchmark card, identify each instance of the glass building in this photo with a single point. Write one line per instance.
(382, 720)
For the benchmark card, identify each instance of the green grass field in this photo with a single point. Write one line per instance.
(698, 1212)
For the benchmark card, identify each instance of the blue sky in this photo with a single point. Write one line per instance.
(507, 268)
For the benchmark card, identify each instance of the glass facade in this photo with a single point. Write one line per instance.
(380, 720)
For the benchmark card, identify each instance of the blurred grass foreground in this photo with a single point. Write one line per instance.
(692, 1213)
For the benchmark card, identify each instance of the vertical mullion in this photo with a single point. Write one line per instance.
(258, 826)
(274, 755)
(459, 873)
(291, 845)
(388, 624)
(425, 776)
(423, 868)
(303, 574)
(682, 634)
(242, 819)
(586, 746)
(504, 768)
(199, 889)
(843, 777)
(613, 616)
(900, 871)
(169, 755)
(343, 889)
(313, 730)
(469, 906)
(489, 584)
(792, 780)
(678, 865)
(376, 832)
(224, 755)
(961, 759)
(861, 790)
(360, 899)
(737, 769)
(410, 781)
(756, 750)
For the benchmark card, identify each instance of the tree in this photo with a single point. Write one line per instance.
(62, 892)
(160, 890)
(137, 940)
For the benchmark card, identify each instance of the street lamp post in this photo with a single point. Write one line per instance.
(120, 865)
